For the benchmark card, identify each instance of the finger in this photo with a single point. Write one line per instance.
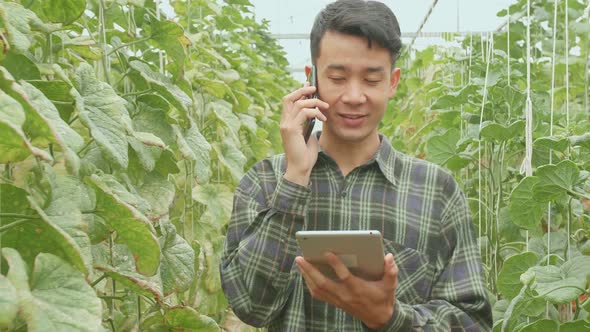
(390, 271)
(308, 113)
(311, 103)
(322, 283)
(298, 94)
(341, 270)
(310, 284)
(316, 291)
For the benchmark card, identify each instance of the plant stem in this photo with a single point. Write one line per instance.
(12, 225)
(141, 40)
(17, 215)
(577, 309)
(95, 282)
(85, 147)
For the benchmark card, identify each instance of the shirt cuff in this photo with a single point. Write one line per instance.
(290, 197)
(401, 320)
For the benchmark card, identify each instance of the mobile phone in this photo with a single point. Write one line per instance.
(312, 78)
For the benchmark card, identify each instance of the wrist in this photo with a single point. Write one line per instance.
(381, 318)
(298, 177)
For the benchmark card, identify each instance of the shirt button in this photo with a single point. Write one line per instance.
(343, 194)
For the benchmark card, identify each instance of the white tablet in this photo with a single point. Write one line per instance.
(360, 251)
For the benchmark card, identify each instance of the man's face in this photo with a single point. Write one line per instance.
(356, 81)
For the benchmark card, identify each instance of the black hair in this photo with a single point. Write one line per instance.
(372, 20)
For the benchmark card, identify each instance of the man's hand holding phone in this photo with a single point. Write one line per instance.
(298, 110)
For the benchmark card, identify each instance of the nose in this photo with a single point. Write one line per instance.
(354, 93)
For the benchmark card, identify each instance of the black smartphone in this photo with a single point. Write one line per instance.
(312, 78)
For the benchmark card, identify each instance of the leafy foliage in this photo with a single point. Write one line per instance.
(463, 108)
(122, 136)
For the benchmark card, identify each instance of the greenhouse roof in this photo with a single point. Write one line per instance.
(291, 21)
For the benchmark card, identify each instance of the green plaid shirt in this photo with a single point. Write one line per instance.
(419, 209)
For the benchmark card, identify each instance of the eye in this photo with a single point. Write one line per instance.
(372, 82)
(337, 79)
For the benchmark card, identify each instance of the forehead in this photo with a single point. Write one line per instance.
(349, 51)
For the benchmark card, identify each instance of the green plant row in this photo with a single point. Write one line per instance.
(463, 107)
(122, 135)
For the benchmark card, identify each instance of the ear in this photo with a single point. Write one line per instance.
(393, 82)
(307, 71)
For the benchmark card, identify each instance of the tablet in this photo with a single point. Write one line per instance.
(360, 251)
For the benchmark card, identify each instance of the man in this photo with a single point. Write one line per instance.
(349, 177)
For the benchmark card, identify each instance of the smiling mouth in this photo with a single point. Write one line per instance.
(350, 116)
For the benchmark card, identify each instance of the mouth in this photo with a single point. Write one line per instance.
(352, 116)
(353, 120)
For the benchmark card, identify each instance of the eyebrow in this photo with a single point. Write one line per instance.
(377, 69)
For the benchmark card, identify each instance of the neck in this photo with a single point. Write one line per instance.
(349, 154)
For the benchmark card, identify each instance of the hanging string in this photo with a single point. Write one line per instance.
(508, 50)
(551, 119)
(567, 70)
(479, 157)
(526, 166)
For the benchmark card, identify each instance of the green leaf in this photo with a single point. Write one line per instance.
(58, 297)
(508, 282)
(146, 155)
(17, 272)
(11, 110)
(159, 193)
(132, 227)
(552, 142)
(555, 180)
(223, 111)
(524, 210)
(187, 318)
(36, 127)
(500, 133)
(580, 140)
(169, 36)
(62, 299)
(231, 158)
(162, 84)
(193, 146)
(59, 11)
(442, 149)
(64, 211)
(562, 284)
(20, 66)
(541, 325)
(135, 282)
(8, 303)
(557, 242)
(178, 261)
(228, 76)
(153, 120)
(517, 305)
(575, 326)
(14, 146)
(212, 249)
(74, 249)
(18, 21)
(45, 108)
(248, 122)
(104, 113)
(39, 234)
(217, 198)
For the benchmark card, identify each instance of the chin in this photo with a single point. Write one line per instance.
(353, 135)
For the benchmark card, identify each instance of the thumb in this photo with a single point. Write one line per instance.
(390, 269)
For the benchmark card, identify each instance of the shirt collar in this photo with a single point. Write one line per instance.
(386, 157)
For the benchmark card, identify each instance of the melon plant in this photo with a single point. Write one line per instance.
(123, 133)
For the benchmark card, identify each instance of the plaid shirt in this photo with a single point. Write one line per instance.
(419, 209)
